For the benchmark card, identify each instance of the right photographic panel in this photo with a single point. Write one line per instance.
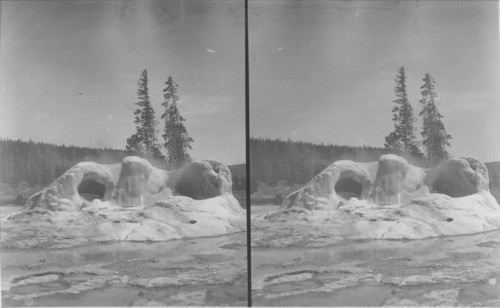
(374, 153)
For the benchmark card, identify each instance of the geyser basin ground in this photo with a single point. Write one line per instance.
(449, 271)
(195, 272)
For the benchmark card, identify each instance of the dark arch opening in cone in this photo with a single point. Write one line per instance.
(91, 189)
(347, 188)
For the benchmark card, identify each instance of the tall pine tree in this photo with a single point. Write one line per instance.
(177, 140)
(435, 137)
(403, 137)
(144, 141)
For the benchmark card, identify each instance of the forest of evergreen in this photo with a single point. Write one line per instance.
(41, 163)
(273, 160)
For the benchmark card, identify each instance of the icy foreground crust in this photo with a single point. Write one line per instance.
(132, 201)
(388, 199)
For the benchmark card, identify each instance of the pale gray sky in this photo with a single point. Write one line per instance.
(323, 71)
(51, 51)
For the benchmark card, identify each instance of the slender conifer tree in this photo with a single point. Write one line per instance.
(177, 140)
(435, 137)
(144, 141)
(403, 137)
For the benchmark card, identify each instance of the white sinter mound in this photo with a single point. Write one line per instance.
(388, 199)
(128, 201)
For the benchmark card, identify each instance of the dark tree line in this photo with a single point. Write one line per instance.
(297, 162)
(494, 172)
(239, 176)
(41, 163)
(239, 182)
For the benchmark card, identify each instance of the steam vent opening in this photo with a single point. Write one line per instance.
(91, 189)
(348, 188)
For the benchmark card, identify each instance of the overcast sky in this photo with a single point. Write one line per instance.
(69, 70)
(320, 71)
(323, 71)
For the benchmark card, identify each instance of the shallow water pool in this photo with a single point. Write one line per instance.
(179, 272)
(460, 270)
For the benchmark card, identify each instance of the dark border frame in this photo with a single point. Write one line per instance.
(247, 148)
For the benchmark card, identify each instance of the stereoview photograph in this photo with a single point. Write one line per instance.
(122, 153)
(375, 155)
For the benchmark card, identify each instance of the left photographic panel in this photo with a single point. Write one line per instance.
(122, 153)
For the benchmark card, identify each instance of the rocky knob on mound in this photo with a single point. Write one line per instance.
(134, 175)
